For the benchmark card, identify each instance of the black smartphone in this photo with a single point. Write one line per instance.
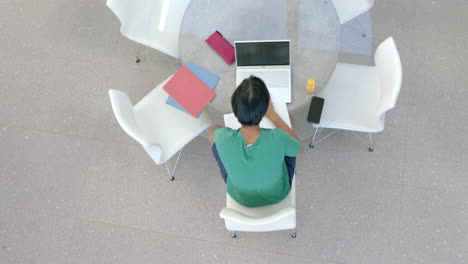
(315, 109)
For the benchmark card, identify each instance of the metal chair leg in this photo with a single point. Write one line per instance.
(370, 145)
(316, 135)
(171, 175)
(312, 144)
(293, 235)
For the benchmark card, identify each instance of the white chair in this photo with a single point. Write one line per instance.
(349, 9)
(153, 23)
(357, 96)
(161, 129)
(274, 217)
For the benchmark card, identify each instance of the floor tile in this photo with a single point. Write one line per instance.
(440, 16)
(44, 97)
(136, 192)
(103, 243)
(89, 29)
(439, 80)
(393, 18)
(349, 221)
(42, 171)
(27, 236)
(437, 125)
(434, 152)
(433, 227)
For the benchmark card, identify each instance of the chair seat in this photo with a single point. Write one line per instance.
(152, 112)
(352, 99)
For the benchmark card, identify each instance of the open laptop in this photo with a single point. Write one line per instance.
(270, 60)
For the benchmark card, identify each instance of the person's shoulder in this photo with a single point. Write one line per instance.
(279, 132)
(274, 133)
(223, 132)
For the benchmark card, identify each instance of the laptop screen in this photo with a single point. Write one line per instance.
(262, 53)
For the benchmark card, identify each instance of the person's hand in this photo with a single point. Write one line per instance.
(271, 110)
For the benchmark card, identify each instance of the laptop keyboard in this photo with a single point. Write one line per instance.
(272, 78)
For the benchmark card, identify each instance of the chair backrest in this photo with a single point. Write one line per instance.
(280, 220)
(389, 74)
(260, 219)
(123, 111)
(154, 23)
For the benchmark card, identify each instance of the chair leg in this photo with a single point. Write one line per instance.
(171, 175)
(370, 145)
(172, 65)
(312, 143)
(293, 234)
(361, 29)
(316, 135)
(363, 32)
(234, 234)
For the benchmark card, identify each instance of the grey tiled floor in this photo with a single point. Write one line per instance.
(75, 189)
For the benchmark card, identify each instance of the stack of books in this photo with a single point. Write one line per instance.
(191, 89)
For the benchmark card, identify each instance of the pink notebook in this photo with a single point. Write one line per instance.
(189, 91)
(222, 47)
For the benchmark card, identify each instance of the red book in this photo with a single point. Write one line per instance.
(189, 91)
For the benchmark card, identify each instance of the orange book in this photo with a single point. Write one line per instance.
(189, 91)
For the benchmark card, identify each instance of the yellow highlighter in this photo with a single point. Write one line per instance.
(310, 87)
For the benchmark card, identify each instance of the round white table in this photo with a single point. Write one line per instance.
(312, 26)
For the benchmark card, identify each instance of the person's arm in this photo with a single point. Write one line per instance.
(211, 131)
(279, 123)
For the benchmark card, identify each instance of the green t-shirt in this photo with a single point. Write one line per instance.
(257, 174)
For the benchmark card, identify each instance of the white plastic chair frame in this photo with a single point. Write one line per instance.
(380, 83)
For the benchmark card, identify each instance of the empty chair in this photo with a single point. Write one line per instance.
(274, 217)
(357, 96)
(153, 23)
(161, 129)
(349, 9)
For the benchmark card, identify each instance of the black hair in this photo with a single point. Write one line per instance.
(250, 101)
